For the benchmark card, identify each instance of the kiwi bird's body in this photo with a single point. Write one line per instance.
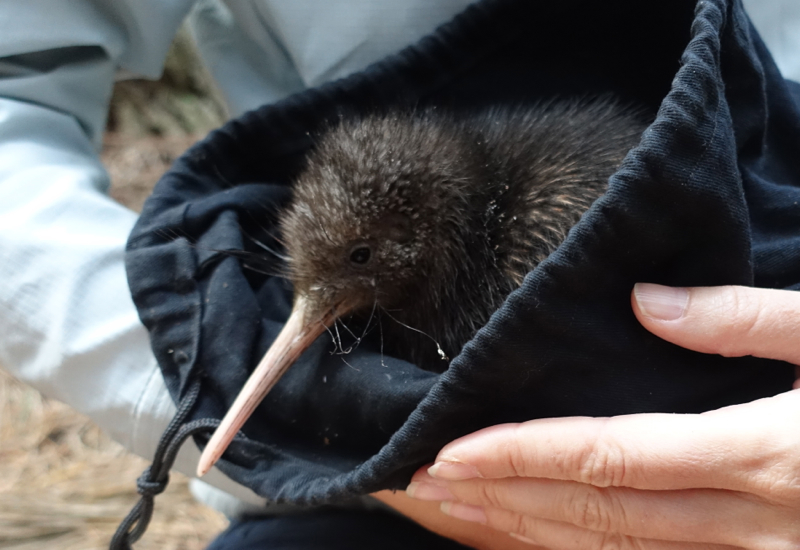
(434, 219)
(428, 221)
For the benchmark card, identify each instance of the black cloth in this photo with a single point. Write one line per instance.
(330, 530)
(709, 197)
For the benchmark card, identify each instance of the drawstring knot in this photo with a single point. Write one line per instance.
(148, 488)
(155, 478)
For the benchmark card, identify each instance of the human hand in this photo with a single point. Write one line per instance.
(728, 478)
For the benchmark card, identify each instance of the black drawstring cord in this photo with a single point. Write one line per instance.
(156, 477)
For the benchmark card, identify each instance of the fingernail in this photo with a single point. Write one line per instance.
(665, 303)
(453, 471)
(466, 512)
(428, 491)
(522, 539)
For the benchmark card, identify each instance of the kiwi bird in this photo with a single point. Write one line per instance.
(435, 218)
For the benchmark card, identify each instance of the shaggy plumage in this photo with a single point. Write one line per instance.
(435, 219)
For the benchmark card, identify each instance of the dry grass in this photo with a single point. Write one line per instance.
(63, 483)
(135, 164)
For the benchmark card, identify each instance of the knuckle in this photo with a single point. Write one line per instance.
(604, 463)
(516, 456)
(489, 494)
(591, 509)
(519, 524)
(743, 321)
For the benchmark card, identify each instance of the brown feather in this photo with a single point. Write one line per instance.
(454, 212)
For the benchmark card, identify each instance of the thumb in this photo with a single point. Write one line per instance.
(729, 320)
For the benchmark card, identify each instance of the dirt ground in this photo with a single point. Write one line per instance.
(63, 483)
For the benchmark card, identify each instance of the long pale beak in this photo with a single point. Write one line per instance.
(296, 336)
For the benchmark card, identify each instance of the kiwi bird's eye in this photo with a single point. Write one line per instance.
(360, 254)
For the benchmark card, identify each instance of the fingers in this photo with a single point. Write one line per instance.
(707, 516)
(427, 514)
(728, 320)
(556, 535)
(649, 451)
(647, 481)
(731, 448)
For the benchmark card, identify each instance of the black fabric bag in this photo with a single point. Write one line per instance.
(711, 196)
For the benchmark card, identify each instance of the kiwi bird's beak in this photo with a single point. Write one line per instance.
(298, 333)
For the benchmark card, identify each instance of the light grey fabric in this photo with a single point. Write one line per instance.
(262, 51)
(778, 22)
